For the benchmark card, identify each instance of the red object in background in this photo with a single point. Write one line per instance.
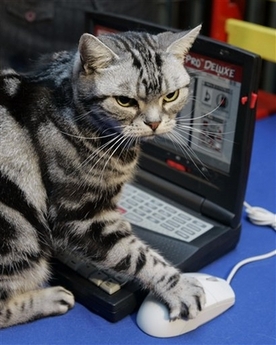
(266, 104)
(222, 10)
(175, 165)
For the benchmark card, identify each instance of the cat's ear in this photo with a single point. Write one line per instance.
(94, 54)
(179, 43)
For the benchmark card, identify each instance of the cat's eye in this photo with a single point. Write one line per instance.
(172, 96)
(124, 101)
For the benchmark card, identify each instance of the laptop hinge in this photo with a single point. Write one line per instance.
(185, 197)
(169, 190)
(217, 212)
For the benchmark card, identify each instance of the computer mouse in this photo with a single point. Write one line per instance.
(153, 316)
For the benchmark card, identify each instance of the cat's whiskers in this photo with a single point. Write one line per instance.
(187, 130)
(191, 119)
(123, 139)
(97, 152)
(102, 148)
(88, 138)
(176, 137)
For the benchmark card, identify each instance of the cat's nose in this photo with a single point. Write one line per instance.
(153, 125)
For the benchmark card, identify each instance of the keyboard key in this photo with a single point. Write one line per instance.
(98, 277)
(140, 212)
(86, 269)
(188, 231)
(138, 199)
(110, 286)
(172, 223)
(124, 204)
(169, 209)
(182, 234)
(159, 216)
(121, 279)
(145, 208)
(178, 220)
(164, 213)
(199, 223)
(167, 227)
(132, 202)
(143, 195)
(157, 202)
(153, 220)
(183, 216)
(132, 217)
(151, 205)
(192, 226)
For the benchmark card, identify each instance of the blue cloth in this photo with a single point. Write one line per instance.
(250, 321)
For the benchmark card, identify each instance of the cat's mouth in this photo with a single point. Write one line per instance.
(152, 136)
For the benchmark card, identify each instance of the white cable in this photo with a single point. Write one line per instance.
(260, 216)
(248, 260)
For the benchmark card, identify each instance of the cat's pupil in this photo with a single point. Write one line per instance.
(172, 96)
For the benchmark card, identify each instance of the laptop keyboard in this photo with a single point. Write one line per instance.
(146, 211)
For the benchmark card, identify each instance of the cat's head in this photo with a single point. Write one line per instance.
(135, 83)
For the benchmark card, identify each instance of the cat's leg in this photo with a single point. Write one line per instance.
(184, 296)
(22, 299)
(112, 245)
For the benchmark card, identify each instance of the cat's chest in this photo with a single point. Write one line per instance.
(77, 169)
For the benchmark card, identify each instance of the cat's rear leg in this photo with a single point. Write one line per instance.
(36, 304)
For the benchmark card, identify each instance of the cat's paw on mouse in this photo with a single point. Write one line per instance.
(186, 299)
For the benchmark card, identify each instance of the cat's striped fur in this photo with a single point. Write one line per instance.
(69, 140)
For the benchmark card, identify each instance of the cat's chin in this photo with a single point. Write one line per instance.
(152, 137)
(147, 138)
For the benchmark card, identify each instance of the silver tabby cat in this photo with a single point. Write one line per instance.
(69, 140)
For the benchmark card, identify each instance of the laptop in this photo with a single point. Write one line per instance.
(205, 175)
(187, 197)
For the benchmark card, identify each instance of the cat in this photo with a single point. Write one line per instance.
(70, 133)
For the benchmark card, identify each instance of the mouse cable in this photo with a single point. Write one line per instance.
(258, 216)
(246, 261)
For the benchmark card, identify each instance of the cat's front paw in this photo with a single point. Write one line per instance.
(185, 299)
(58, 300)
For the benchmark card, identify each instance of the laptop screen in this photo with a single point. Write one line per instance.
(206, 125)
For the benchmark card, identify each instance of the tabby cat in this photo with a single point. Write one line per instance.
(69, 139)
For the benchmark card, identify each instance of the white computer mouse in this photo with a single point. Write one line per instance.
(153, 316)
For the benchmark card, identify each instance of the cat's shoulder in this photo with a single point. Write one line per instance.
(10, 82)
(51, 62)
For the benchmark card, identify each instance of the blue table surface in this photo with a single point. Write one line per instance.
(250, 321)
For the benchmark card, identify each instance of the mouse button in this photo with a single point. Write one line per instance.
(220, 291)
(210, 298)
(212, 279)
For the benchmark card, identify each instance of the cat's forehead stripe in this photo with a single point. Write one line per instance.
(147, 59)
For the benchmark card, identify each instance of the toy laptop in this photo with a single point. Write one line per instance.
(187, 197)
